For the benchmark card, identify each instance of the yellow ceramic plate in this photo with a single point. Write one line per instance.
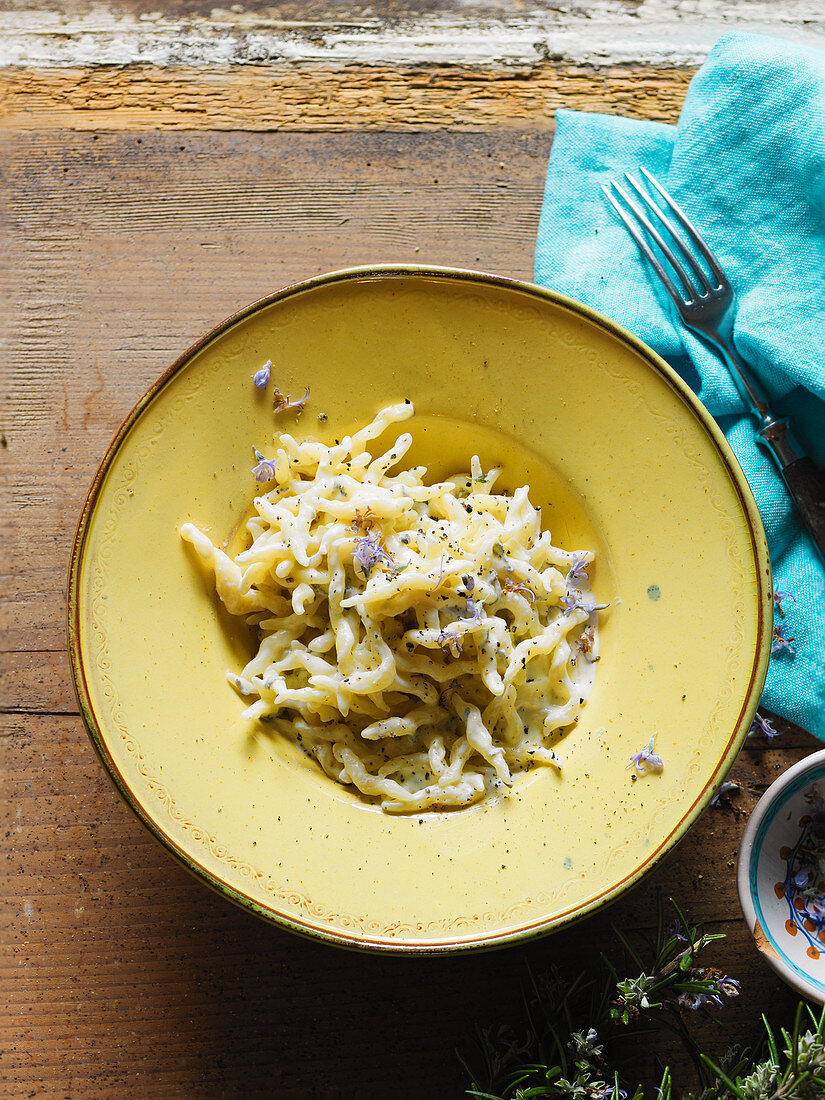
(622, 458)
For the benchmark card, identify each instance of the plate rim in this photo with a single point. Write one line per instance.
(531, 929)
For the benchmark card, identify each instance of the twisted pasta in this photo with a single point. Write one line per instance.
(423, 642)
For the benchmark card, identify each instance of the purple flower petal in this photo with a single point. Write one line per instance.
(578, 571)
(283, 404)
(573, 600)
(781, 642)
(764, 726)
(646, 759)
(261, 377)
(726, 787)
(778, 597)
(265, 470)
(369, 552)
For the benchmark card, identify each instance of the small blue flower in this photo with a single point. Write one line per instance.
(646, 758)
(694, 1001)
(452, 641)
(781, 642)
(578, 571)
(261, 377)
(265, 470)
(778, 597)
(726, 788)
(369, 552)
(573, 600)
(472, 613)
(763, 725)
(719, 985)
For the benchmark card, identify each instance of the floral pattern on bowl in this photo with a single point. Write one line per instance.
(780, 880)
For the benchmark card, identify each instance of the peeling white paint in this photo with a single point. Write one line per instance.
(600, 32)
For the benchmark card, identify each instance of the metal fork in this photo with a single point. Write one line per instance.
(705, 304)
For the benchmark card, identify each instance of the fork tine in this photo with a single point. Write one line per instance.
(644, 247)
(690, 228)
(639, 213)
(663, 218)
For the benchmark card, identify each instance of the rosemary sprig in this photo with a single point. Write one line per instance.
(571, 1042)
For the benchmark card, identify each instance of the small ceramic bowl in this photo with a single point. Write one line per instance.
(777, 892)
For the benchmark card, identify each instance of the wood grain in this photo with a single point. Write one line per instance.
(121, 976)
(196, 34)
(310, 97)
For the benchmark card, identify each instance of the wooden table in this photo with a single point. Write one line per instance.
(161, 170)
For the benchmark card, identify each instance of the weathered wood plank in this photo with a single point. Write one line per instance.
(324, 97)
(36, 682)
(410, 32)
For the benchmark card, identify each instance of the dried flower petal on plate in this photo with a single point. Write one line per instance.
(265, 470)
(646, 759)
(520, 589)
(283, 404)
(261, 377)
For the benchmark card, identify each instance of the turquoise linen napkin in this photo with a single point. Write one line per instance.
(747, 163)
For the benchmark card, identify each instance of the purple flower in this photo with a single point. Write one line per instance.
(720, 986)
(801, 878)
(726, 788)
(265, 470)
(578, 571)
(696, 1000)
(763, 725)
(369, 552)
(261, 377)
(473, 612)
(779, 596)
(729, 986)
(521, 589)
(781, 642)
(573, 600)
(452, 641)
(440, 572)
(646, 758)
(282, 404)
(676, 931)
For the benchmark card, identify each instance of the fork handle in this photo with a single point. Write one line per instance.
(806, 484)
(804, 479)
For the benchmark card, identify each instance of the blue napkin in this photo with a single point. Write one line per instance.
(747, 163)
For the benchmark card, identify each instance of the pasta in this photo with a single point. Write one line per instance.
(424, 642)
